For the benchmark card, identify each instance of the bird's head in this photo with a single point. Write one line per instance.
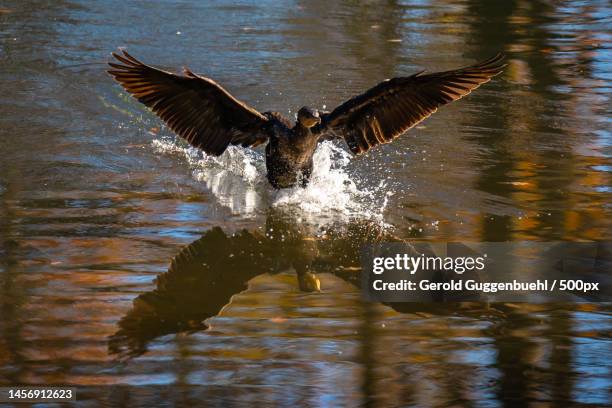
(308, 117)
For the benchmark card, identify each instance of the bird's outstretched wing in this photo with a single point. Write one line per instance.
(194, 107)
(387, 110)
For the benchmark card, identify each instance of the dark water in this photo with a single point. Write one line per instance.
(119, 256)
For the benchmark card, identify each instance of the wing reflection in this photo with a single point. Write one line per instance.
(201, 279)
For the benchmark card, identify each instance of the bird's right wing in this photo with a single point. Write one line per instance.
(194, 107)
(387, 110)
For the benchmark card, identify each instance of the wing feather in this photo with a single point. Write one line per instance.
(194, 107)
(389, 109)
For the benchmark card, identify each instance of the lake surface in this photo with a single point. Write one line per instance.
(120, 248)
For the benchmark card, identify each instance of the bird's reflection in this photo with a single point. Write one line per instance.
(203, 276)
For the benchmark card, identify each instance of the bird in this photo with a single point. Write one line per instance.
(208, 117)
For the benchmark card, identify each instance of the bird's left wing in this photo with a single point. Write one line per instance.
(390, 108)
(194, 107)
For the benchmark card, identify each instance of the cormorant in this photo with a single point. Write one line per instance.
(210, 118)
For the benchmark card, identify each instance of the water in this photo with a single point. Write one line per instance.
(97, 199)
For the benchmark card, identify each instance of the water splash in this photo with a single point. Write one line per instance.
(237, 179)
(331, 188)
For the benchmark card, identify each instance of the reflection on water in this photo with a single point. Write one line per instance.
(91, 211)
(213, 283)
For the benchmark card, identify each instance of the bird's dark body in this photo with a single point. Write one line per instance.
(210, 118)
(289, 153)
